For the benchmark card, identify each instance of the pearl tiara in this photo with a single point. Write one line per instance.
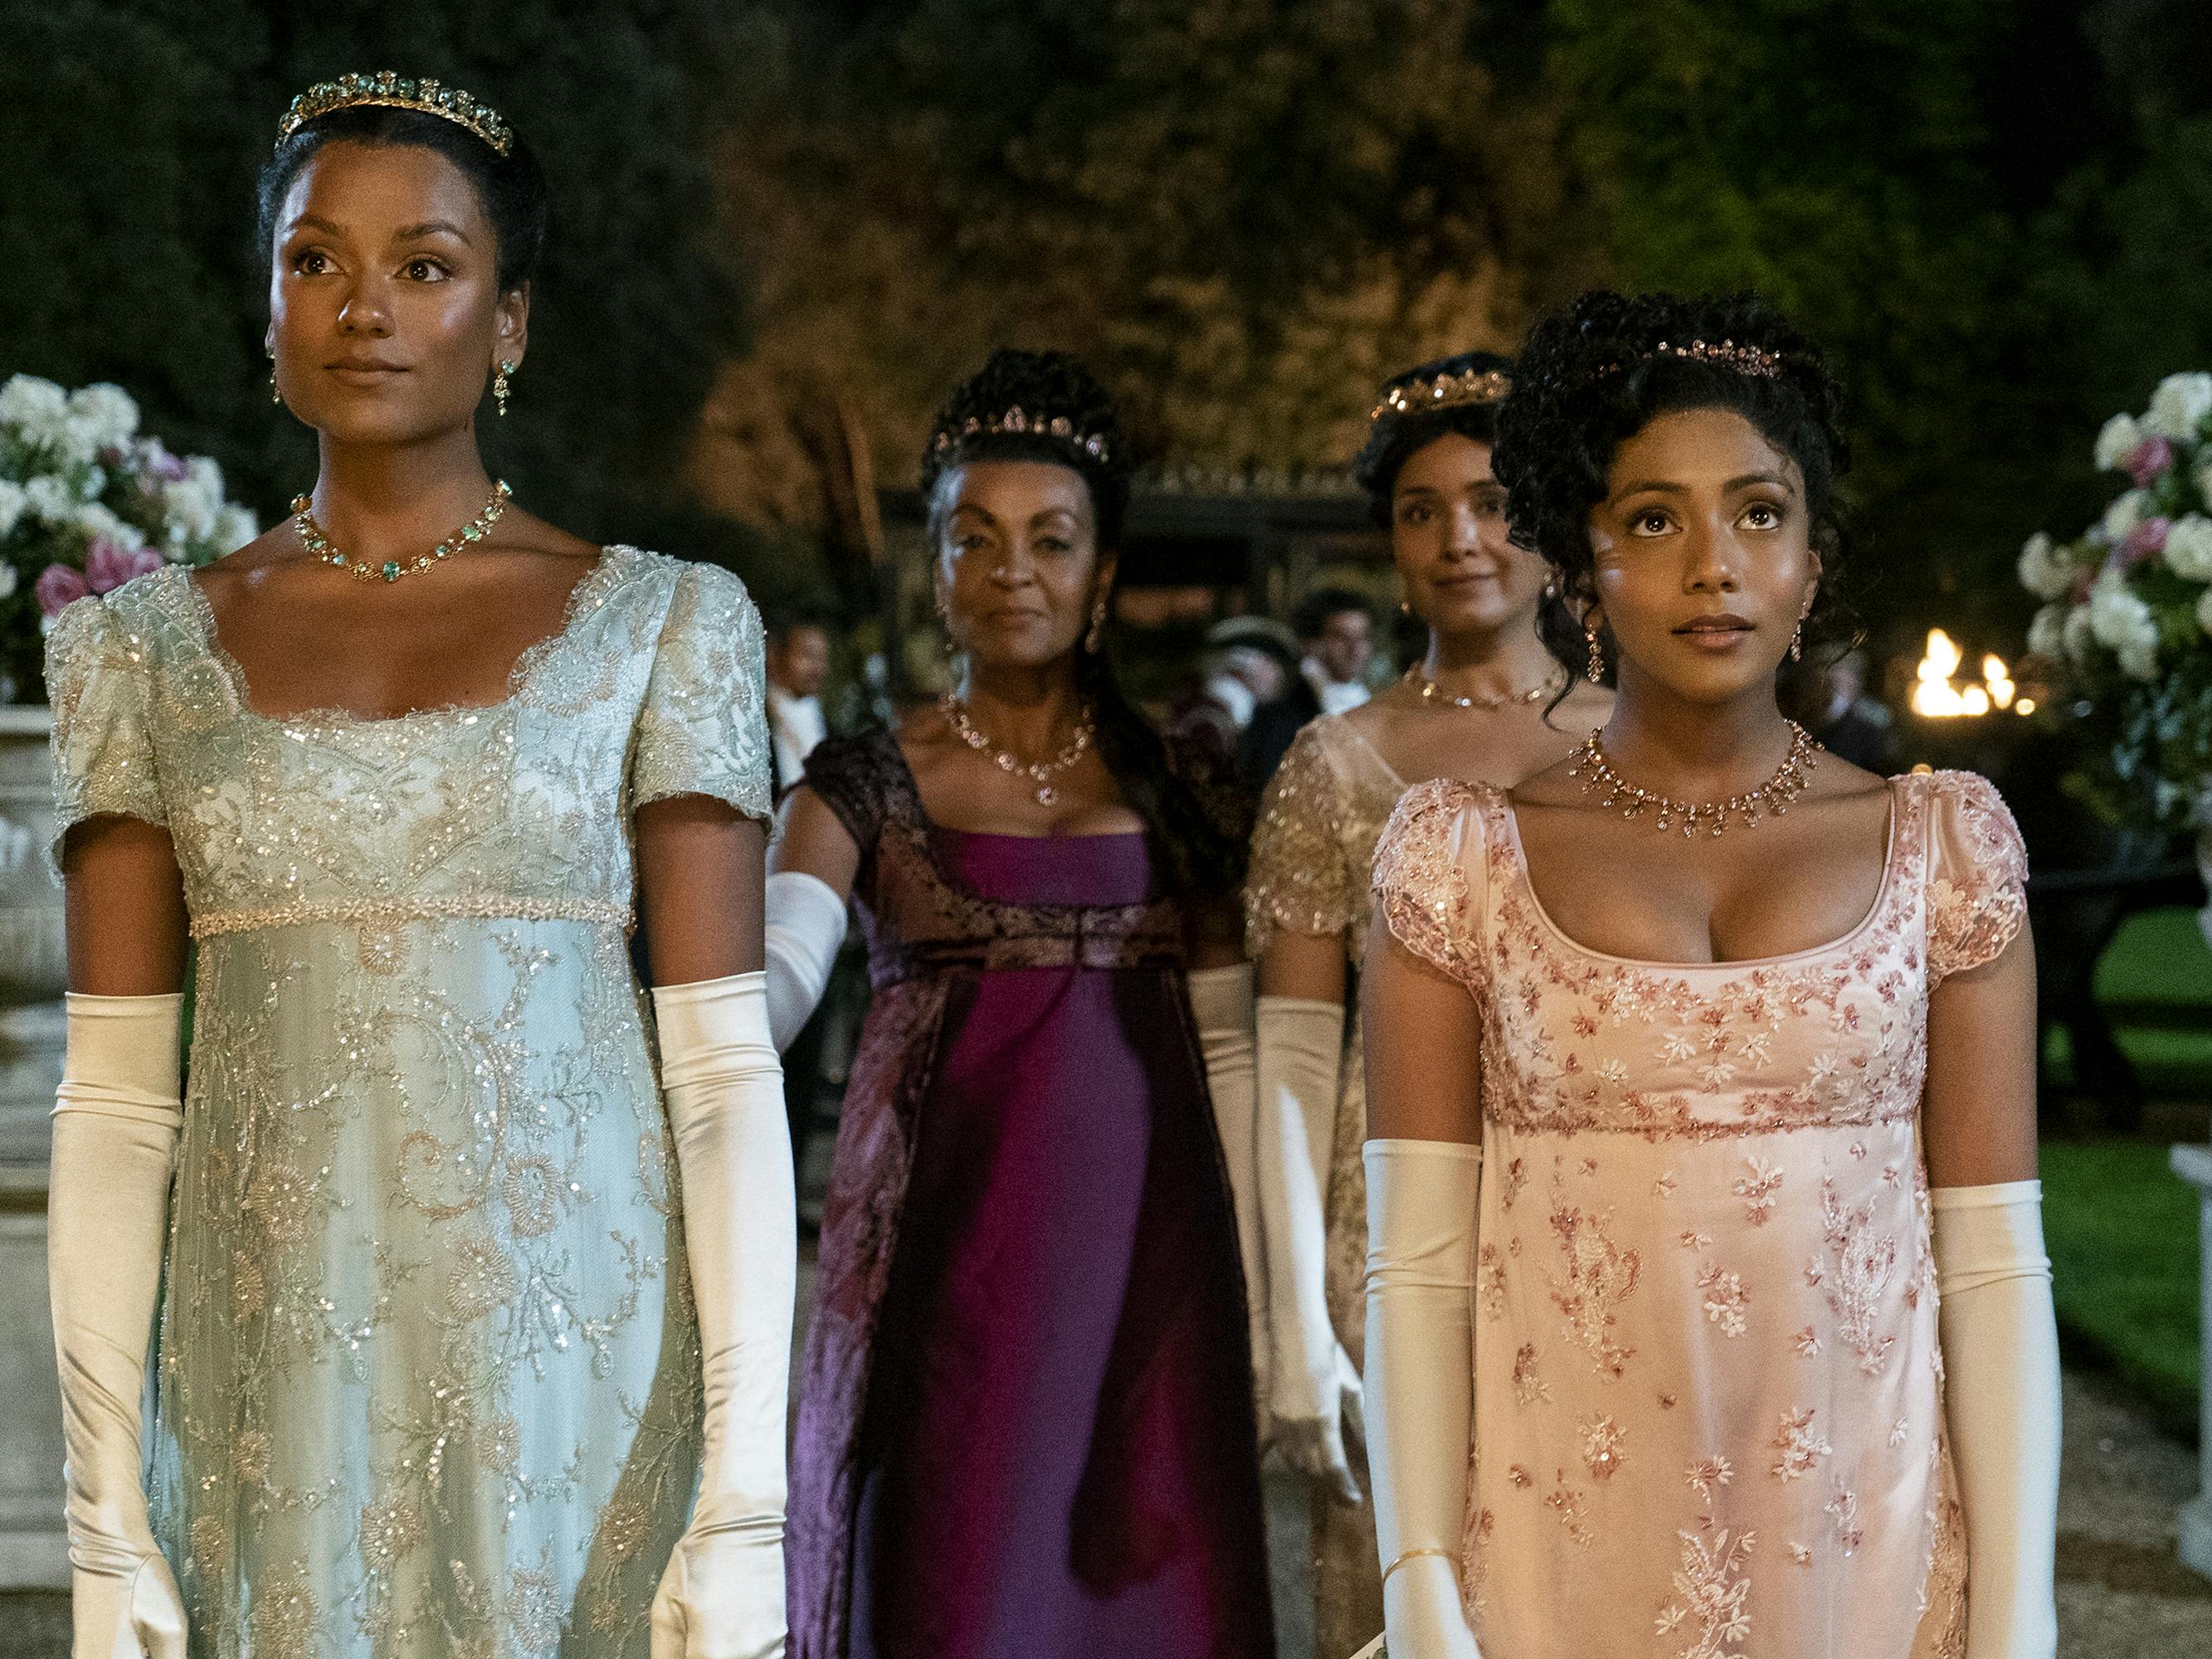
(1020, 420)
(1725, 353)
(1446, 390)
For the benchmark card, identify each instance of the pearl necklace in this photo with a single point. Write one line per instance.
(1594, 772)
(312, 537)
(1040, 773)
(1430, 693)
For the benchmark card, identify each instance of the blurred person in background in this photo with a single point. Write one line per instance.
(1026, 1413)
(1336, 638)
(1247, 661)
(1487, 701)
(798, 668)
(1845, 721)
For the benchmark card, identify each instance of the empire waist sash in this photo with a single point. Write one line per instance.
(438, 907)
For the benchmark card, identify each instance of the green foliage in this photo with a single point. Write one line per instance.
(131, 134)
(1245, 212)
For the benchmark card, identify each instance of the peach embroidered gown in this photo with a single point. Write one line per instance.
(1708, 1396)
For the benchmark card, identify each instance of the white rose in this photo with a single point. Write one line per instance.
(2123, 624)
(6, 578)
(2180, 402)
(2188, 547)
(2204, 609)
(13, 500)
(2046, 635)
(2044, 571)
(2119, 439)
(27, 400)
(97, 521)
(2075, 635)
(102, 416)
(234, 526)
(2122, 516)
(49, 500)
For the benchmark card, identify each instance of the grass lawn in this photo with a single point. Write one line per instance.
(2122, 1230)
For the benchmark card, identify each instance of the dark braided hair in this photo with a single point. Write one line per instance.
(1591, 377)
(511, 187)
(1046, 406)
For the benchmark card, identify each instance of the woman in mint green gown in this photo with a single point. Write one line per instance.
(429, 1374)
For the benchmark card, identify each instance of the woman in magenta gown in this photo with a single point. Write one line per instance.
(1025, 1422)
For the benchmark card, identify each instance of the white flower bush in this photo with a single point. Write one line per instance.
(2127, 606)
(87, 502)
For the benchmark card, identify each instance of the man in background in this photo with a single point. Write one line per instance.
(797, 666)
(1337, 636)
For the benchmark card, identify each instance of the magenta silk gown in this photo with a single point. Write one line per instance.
(1707, 1394)
(1025, 1422)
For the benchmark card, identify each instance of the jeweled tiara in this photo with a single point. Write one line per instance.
(1020, 420)
(1446, 390)
(1726, 354)
(388, 89)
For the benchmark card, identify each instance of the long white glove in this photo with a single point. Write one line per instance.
(1420, 1384)
(1221, 1005)
(117, 1117)
(806, 926)
(722, 1595)
(2002, 1402)
(1315, 1386)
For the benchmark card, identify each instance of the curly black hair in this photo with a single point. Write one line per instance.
(1393, 437)
(1065, 416)
(511, 187)
(1592, 376)
(1068, 419)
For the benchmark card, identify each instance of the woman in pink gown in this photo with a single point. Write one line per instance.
(1700, 1067)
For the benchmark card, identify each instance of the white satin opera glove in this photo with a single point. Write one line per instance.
(1221, 1007)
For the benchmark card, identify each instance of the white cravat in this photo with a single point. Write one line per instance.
(1336, 697)
(798, 724)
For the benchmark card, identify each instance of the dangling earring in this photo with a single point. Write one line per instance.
(1097, 623)
(1595, 672)
(499, 386)
(1551, 588)
(275, 396)
(1797, 642)
(944, 623)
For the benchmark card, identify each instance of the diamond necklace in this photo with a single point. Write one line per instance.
(1040, 773)
(313, 538)
(1592, 769)
(1430, 693)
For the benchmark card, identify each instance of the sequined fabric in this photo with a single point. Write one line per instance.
(1708, 1391)
(1311, 856)
(428, 1378)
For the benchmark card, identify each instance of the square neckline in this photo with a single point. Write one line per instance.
(330, 717)
(1899, 803)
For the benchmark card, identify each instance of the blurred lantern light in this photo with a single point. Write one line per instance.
(2024, 705)
(1935, 697)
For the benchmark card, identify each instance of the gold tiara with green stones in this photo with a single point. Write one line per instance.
(389, 89)
(1446, 390)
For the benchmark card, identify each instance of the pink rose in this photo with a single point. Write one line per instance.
(108, 566)
(156, 462)
(2151, 456)
(2145, 541)
(57, 588)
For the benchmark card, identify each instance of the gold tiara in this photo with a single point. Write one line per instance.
(1018, 420)
(1446, 390)
(1745, 360)
(389, 90)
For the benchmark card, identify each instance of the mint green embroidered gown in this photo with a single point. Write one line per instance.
(427, 1376)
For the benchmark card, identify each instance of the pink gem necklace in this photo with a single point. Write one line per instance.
(1594, 772)
(1039, 773)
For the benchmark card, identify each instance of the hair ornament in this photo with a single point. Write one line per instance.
(1018, 420)
(1743, 359)
(388, 89)
(1446, 390)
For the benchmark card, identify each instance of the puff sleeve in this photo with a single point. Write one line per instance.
(1977, 875)
(1426, 867)
(703, 728)
(100, 686)
(1298, 879)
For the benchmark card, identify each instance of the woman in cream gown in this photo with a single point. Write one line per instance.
(1484, 703)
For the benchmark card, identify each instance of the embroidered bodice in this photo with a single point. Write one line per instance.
(1314, 845)
(1708, 1404)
